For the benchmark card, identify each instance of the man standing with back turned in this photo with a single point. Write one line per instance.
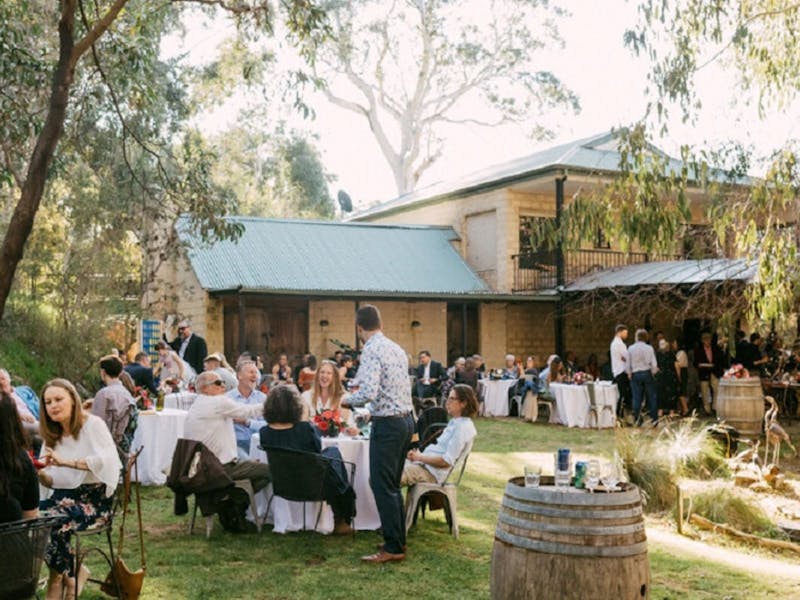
(383, 382)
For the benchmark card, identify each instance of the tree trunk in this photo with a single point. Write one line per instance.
(21, 224)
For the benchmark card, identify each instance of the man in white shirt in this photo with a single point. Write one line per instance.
(210, 421)
(619, 368)
(643, 367)
(246, 393)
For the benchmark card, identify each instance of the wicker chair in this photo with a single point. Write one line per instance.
(22, 545)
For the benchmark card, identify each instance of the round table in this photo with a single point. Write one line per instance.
(288, 516)
(573, 403)
(179, 400)
(157, 433)
(494, 393)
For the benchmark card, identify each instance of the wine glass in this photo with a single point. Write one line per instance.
(610, 477)
(592, 475)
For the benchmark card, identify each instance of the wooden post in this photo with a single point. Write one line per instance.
(680, 508)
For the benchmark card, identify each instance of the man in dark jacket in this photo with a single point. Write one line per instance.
(430, 375)
(142, 373)
(189, 346)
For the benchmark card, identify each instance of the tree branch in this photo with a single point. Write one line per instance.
(100, 27)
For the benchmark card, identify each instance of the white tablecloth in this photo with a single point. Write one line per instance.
(179, 400)
(573, 403)
(494, 394)
(288, 516)
(158, 432)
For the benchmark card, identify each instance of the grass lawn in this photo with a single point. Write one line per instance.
(308, 565)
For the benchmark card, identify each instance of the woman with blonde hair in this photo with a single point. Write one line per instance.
(327, 393)
(83, 468)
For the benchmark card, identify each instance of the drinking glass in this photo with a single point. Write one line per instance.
(610, 477)
(533, 474)
(592, 475)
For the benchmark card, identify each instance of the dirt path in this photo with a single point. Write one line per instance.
(754, 565)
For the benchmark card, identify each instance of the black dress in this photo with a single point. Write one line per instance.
(667, 383)
(23, 492)
(305, 437)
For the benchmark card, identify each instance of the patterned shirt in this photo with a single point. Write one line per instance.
(383, 378)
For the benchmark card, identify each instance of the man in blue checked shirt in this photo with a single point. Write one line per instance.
(247, 375)
(383, 382)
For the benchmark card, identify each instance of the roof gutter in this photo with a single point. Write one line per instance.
(355, 295)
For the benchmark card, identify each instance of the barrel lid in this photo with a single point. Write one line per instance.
(547, 492)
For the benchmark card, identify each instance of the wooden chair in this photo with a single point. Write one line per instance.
(447, 489)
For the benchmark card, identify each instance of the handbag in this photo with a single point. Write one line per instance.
(120, 576)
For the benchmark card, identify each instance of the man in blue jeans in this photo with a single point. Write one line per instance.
(643, 366)
(382, 380)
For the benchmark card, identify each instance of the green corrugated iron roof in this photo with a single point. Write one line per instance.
(294, 256)
(598, 154)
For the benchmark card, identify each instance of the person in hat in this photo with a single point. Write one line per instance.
(216, 362)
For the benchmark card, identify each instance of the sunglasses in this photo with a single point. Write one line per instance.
(218, 382)
(181, 328)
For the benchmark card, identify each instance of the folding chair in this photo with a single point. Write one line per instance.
(299, 476)
(22, 545)
(447, 489)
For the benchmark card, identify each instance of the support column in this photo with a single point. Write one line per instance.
(560, 270)
(242, 328)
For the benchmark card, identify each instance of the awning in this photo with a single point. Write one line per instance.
(673, 272)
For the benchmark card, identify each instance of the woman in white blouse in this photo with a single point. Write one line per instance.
(83, 469)
(327, 393)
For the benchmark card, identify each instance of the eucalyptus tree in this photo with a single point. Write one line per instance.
(410, 67)
(110, 42)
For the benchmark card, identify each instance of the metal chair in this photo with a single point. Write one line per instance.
(244, 485)
(106, 527)
(428, 417)
(300, 476)
(22, 545)
(447, 489)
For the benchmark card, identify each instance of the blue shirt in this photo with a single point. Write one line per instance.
(383, 378)
(245, 432)
(454, 439)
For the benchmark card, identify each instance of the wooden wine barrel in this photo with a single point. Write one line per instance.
(551, 543)
(740, 403)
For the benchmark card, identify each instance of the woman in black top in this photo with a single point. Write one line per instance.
(283, 412)
(19, 486)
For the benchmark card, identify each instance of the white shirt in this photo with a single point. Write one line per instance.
(455, 437)
(619, 356)
(642, 357)
(95, 445)
(210, 420)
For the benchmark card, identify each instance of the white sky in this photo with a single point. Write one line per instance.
(595, 64)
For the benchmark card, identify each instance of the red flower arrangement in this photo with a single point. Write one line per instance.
(737, 371)
(143, 401)
(329, 423)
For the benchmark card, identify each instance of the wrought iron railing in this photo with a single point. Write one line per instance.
(535, 271)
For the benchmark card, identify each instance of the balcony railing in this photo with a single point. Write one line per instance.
(537, 270)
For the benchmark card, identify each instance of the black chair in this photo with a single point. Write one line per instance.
(22, 545)
(430, 424)
(300, 476)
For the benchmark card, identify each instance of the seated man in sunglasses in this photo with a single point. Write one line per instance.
(210, 421)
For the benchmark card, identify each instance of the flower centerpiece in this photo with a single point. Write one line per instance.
(580, 378)
(329, 423)
(737, 371)
(143, 401)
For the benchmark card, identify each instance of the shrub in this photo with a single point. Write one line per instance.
(723, 505)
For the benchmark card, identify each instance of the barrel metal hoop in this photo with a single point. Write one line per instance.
(566, 513)
(573, 529)
(571, 549)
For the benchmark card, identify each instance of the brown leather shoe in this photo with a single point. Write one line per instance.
(342, 529)
(382, 556)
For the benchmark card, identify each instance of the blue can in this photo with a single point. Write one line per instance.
(563, 459)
